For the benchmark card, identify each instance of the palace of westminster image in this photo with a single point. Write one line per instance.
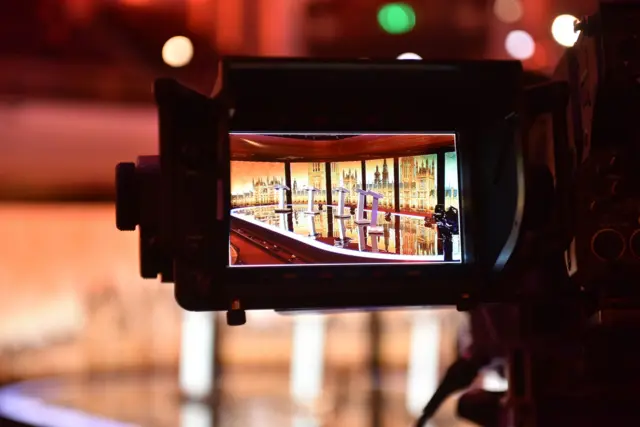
(417, 186)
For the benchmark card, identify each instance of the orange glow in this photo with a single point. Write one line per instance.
(243, 174)
(305, 174)
(71, 298)
(135, 2)
(349, 167)
(55, 259)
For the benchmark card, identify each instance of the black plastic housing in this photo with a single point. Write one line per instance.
(479, 101)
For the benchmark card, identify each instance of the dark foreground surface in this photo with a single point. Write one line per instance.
(246, 399)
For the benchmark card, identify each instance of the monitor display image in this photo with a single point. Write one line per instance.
(305, 175)
(418, 184)
(341, 199)
(451, 180)
(347, 175)
(451, 193)
(381, 180)
(254, 183)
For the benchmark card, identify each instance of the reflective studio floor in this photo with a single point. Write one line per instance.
(245, 400)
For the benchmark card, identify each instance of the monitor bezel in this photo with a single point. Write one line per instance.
(475, 99)
(341, 286)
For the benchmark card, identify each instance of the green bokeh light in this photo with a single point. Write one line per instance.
(396, 18)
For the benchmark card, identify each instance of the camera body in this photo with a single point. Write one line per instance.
(181, 199)
(543, 171)
(548, 218)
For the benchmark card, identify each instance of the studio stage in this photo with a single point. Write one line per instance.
(329, 236)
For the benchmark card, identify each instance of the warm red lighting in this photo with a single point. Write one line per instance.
(135, 2)
(540, 58)
(508, 11)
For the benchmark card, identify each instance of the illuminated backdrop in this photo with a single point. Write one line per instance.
(308, 174)
(418, 192)
(252, 183)
(380, 179)
(451, 194)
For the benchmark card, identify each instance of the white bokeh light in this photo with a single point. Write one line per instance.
(562, 30)
(409, 56)
(177, 51)
(508, 11)
(520, 45)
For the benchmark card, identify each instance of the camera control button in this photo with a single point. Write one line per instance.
(608, 244)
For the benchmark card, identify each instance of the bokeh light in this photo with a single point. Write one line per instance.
(396, 18)
(508, 11)
(409, 56)
(562, 30)
(520, 45)
(177, 51)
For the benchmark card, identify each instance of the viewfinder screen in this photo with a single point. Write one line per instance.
(333, 199)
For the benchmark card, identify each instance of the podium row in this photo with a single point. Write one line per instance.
(342, 191)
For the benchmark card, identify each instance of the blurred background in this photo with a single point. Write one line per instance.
(81, 338)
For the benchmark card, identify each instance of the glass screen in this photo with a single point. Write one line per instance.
(332, 199)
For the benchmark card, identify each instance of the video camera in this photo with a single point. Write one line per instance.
(251, 185)
(444, 182)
